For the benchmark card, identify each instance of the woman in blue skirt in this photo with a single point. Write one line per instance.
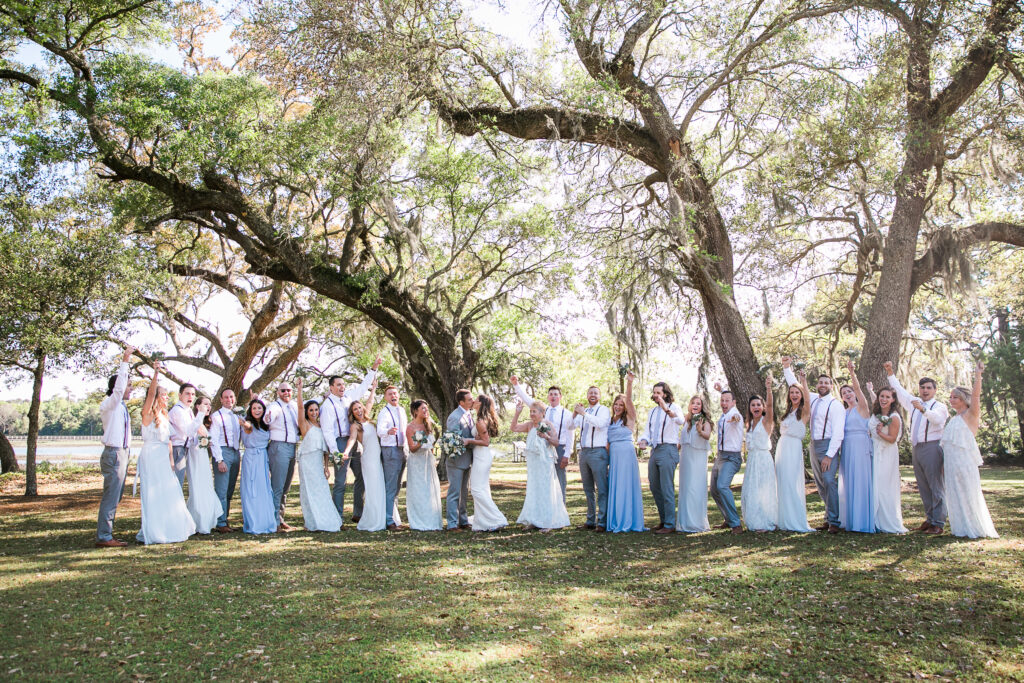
(625, 497)
(259, 514)
(855, 462)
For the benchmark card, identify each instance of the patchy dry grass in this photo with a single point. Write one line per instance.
(508, 605)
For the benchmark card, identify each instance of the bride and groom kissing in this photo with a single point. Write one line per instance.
(470, 470)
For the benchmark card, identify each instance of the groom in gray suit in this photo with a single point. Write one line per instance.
(461, 420)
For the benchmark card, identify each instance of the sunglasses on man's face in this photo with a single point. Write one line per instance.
(284, 391)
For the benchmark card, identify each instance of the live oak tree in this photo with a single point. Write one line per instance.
(424, 246)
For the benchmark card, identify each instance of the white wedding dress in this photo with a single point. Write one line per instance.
(203, 503)
(318, 510)
(543, 507)
(885, 476)
(789, 475)
(486, 515)
(375, 499)
(165, 517)
(423, 490)
(965, 502)
(759, 500)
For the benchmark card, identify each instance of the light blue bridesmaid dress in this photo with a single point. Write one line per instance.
(856, 470)
(259, 515)
(625, 497)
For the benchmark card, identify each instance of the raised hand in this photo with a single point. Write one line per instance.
(849, 366)
(718, 387)
(888, 367)
(157, 366)
(871, 387)
(377, 361)
(979, 367)
(298, 383)
(519, 407)
(514, 380)
(128, 351)
(786, 361)
(769, 383)
(580, 409)
(631, 376)
(802, 376)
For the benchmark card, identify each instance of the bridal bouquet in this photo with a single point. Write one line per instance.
(204, 442)
(886, 420)
(336, 458)
(544, 428)
(421, 437)
(452, 445)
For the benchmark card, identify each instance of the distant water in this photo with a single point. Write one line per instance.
(65, 453)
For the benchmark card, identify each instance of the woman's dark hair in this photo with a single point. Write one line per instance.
(799, 408)
(111, 381)
(208, 420)
(257, 424)
(486, 413)
(305, 409)
(750, 417)
(669, 396)
(413, 408)
(895, 409)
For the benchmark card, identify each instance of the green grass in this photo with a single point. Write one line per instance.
(509, 605)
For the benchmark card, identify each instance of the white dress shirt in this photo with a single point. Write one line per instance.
(283, 419)
(117, 422)
(593, 424)
(334, 410)
(565, 425)
(729, 435)
(180, 418)
(225, 432)
(392, 416)
(926, 426)
(661, 428)
(828, 417)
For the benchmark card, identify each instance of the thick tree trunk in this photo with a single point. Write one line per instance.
(732, 343)
(31, 489)
(8, 461)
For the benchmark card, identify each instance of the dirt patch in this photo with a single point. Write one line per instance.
(57, 492)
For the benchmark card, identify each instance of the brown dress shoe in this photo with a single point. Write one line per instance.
(599, 529)
(661, 525)
(355, 519)
(737, 529)
(112, 543)
(586, 527)
(925, 526)
(665, 530)
(833, 529)
(222, 529)
(933, 530)
(392, 527)
(455, 530)
(823, 527)
(723, 525)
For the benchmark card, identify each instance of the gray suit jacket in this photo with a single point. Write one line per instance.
(461, 420)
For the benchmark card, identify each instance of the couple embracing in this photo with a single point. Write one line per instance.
(470, 471)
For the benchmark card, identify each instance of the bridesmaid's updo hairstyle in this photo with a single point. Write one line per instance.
(486, 413)
(964, 394)
(413, 408)
(256, 424)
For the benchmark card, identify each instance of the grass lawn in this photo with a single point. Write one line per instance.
(508, 605)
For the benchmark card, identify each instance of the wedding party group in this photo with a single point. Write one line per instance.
(853, 449)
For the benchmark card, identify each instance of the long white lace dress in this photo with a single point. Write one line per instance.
(203, 503)
(543, 506)
(789, 475)
(318, 510)
(165, 517)
(759, 499)
(486, 515)
(886, 481)
(965, 502)
(423, 490)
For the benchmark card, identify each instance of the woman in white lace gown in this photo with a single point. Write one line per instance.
(165, 518)
(759, 500)
(543, 507)
(203, 503)
(965, 502)
(789, 457)
(486, 515)
(318, 510)
(692, 513)
(423, 488)
(885, 426)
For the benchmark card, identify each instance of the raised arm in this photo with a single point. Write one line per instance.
(147, 407)
(303, 425)
(768, 420)
(905, 398)
(806, 412)
(520, 391)
(630, 408)
(516, 426)
(787, 371)
(862, 401)
(973, 417)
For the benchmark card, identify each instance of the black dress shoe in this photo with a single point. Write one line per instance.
(823, 527)
(355, 519)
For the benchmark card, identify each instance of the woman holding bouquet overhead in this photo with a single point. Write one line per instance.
(543, 508)
(423, 488)
(625, 497)
(318, 510)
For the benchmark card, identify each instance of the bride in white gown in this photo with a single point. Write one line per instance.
(374, 499)
(165, 518)
(789, 457)
(423, 487)
(885, 474)
(965, 502)
(543, 507)
(203, 503)
(486, 515)
(318, 510)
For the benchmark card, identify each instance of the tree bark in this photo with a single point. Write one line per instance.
(31, 489)
(8, 461)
